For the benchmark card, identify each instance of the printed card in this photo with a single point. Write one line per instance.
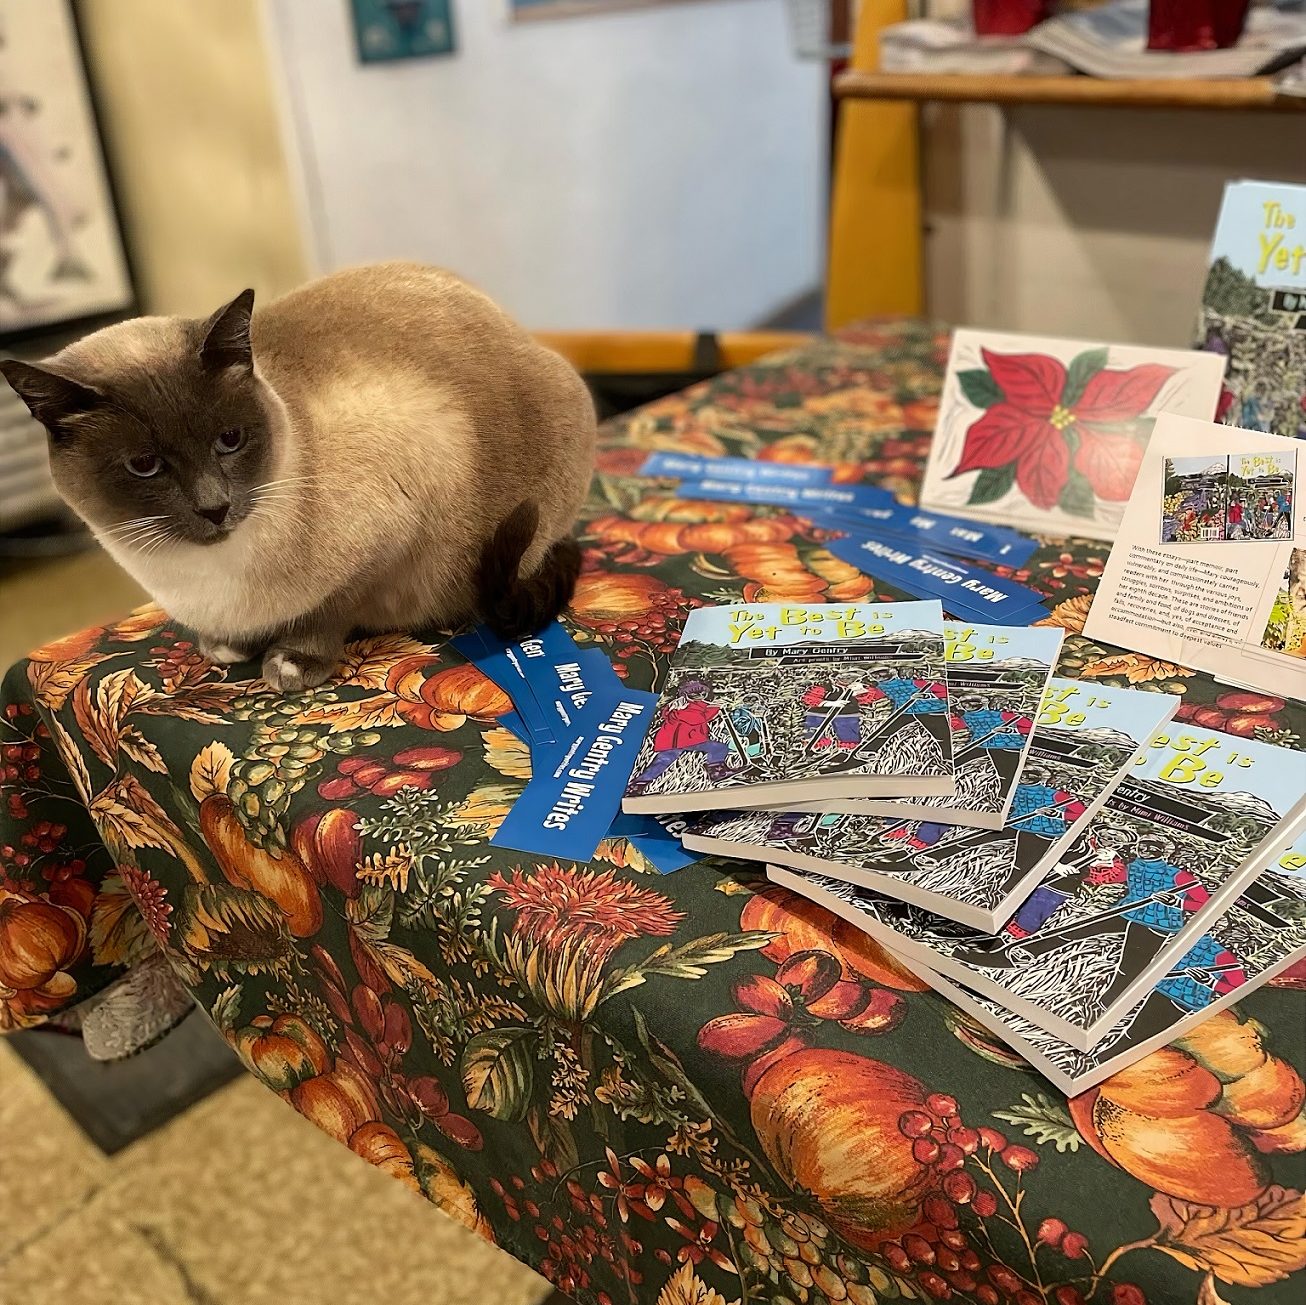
(1209, 569)
(576, 783)
(817, 493)
(1047, 434)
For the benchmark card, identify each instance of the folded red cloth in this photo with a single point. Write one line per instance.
(1008, 17)
(1182, 25)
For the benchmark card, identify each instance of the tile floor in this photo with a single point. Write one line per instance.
(238, 1201)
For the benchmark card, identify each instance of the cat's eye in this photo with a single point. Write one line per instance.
(230, 441)
(145, 465)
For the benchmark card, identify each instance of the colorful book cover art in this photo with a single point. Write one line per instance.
(1262, 934)
(1084, 741)
(1254, 307)
(768, 698)
(1172, 844)
(1285, 627)
(996, 677)
(1245, 496)
(1048, 434)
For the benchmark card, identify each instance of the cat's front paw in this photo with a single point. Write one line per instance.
(288, 670)
(221, 653)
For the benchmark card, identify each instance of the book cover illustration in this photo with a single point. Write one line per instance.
(996, 677)
(1048, 434)
(1084, 740)
(1254, 307)
(1245, 496)
(767, 698)
(1172, 844)
(1285, 627)
(1262, 934)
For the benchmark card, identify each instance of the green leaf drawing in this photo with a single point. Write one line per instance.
(688, 960)
(226, 1009)
(1044, 1120)
(667, 1063)
(1081, 370)
(992, 483)
(980, 388)
(553, 1138)
(1077, 498)
(372, 912)
(498, 1072)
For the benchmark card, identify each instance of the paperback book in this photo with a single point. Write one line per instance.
(1171, 847)
(1084, 741)
(776, 703)
(996, 678)
(1254, 306)
(1262, 934)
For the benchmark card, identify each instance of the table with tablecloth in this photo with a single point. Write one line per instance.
(687, 1089)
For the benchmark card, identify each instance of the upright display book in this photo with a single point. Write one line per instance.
(776, 703)
(1047, 435)
(1084, 741)
(996, 677)
(1171, 847)
(1209, 569)
(1254, 306)
(1262, 934)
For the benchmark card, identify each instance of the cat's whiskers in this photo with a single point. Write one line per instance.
(141, 537)
(285, 493)
(156, 542)
(304, 478)
(127, 527)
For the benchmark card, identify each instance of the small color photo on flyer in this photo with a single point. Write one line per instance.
(1242, 497)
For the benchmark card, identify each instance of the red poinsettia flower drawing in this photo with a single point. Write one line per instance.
(1064, 436)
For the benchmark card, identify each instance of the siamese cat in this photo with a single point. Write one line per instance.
(380, 449)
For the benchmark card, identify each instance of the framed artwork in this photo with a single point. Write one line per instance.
(402, 29)
(530, 10)
(61, 253)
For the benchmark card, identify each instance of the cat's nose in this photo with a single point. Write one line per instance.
(217, 515)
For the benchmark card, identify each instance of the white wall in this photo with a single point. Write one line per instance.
(1087, 222)
(660, 167)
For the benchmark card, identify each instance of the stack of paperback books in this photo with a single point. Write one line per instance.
(1080, 875)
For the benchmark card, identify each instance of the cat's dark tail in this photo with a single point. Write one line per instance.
(514, 607)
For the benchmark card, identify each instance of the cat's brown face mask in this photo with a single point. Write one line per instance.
(175, 449)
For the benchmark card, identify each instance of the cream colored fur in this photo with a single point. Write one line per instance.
(411, 414)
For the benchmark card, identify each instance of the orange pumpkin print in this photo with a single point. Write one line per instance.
(828, 1121)
(39, 943)
(1194, 1119)
(284, 879)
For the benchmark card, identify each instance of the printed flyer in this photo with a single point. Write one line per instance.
(1209, 569)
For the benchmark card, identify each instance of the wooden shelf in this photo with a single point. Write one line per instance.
(1255, 93)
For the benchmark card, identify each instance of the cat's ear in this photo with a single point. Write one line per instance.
(226, 336)
(55, 401)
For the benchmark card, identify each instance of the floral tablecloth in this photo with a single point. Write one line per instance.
(689, 1089)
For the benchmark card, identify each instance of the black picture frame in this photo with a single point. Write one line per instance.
(121, 297)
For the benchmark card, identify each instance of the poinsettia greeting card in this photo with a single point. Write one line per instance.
(1047, 434)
